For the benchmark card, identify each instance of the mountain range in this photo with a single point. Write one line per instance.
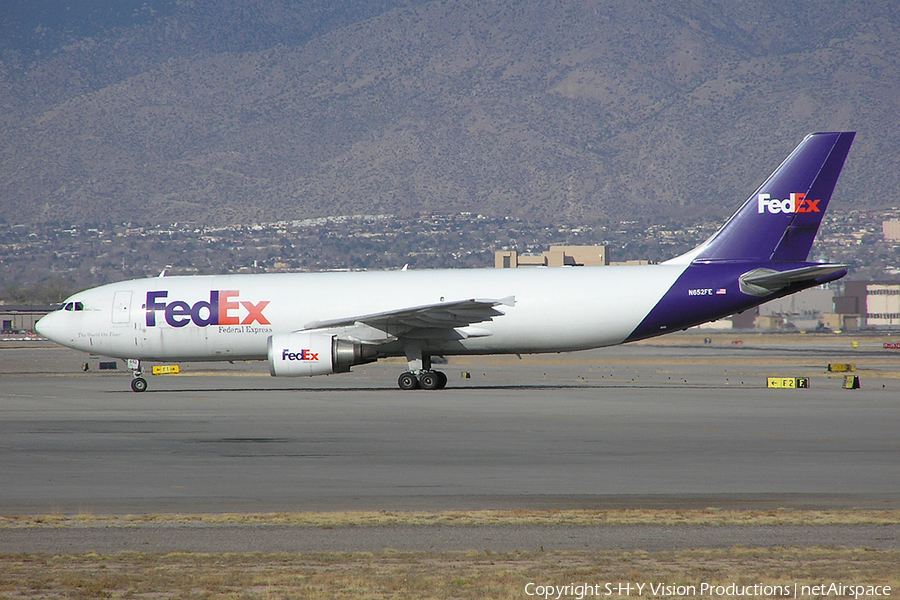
(563, 111)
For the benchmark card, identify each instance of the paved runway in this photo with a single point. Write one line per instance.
(677, 423)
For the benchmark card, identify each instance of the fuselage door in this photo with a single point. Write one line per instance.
(121, 310)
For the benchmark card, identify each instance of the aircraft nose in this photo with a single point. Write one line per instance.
(44, 326)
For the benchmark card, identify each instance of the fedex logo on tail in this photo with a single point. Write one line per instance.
(223, 308)
(797, 203)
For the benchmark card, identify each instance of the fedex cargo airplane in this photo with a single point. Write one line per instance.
(308, 324)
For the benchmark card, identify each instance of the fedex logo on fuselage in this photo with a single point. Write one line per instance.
(797, 203)
(223, 308)
(305, 355)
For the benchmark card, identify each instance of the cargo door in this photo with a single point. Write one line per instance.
(121, 312)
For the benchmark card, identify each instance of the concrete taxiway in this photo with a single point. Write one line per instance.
(678, 422)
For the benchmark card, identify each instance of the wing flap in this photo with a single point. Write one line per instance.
(441, 315)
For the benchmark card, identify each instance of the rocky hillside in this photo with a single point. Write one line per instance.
(225, 111)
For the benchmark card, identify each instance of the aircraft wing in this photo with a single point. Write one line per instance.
(442, 315)
(761, 282)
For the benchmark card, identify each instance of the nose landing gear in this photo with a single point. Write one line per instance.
(138, 384)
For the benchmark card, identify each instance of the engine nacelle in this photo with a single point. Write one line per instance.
(306, 354)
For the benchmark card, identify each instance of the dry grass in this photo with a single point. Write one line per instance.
(401, 575)
(710, 516)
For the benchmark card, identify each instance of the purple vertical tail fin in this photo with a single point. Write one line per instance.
(779, 221)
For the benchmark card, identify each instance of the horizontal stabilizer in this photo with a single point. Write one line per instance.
(762, 282)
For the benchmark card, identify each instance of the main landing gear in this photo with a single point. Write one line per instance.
(426, 380)
(138, 384)
(420, 374)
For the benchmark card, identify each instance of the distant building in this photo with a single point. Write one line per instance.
(806, 310)
(891, 230)
(883, 305)
(867, 304)
(16, 318)
(557, 256)
(747, 319)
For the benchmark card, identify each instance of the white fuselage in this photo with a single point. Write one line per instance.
(558, 309)
(308, 324)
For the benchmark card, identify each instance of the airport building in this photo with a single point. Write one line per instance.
(560, 256)
(862, 305)
(17, 318)
(556, 256)
(891, 230)
(806, 310)
(868, 304)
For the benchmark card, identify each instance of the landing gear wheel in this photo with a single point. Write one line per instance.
(429, 380)
(139, 384)
(442, 379)
(408, 381)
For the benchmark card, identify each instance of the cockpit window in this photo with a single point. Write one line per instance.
(70, 306)
(79, 306)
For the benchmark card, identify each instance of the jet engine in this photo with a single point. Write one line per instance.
(304, 354)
